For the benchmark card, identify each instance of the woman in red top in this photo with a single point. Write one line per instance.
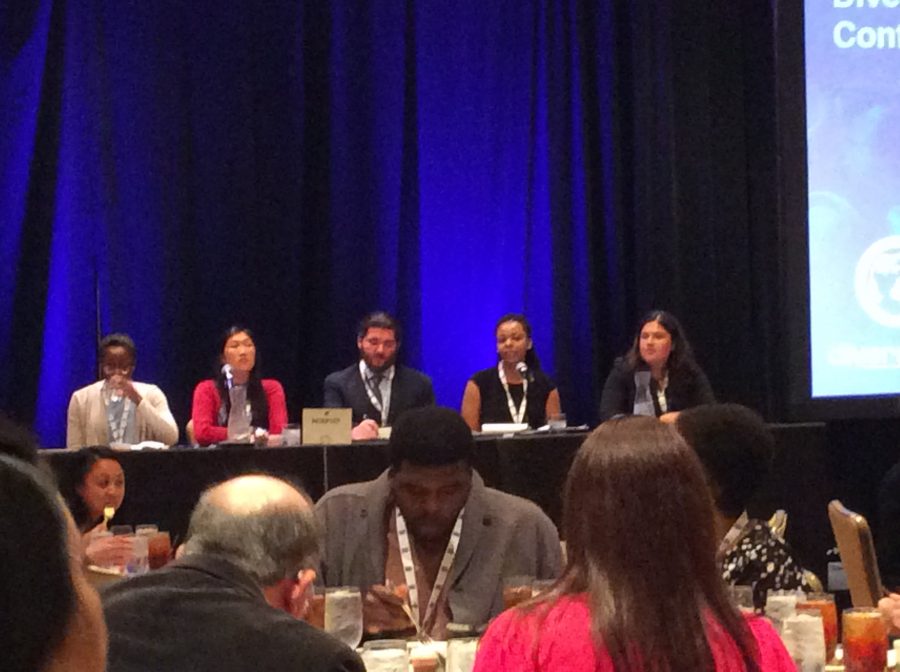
(212, 403)
(641, 590)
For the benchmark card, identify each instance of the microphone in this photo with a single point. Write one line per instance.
(229, 377)
(525, 372)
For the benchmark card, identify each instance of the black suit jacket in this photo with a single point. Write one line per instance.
(689, 389)
(409, 389)
(204, 614)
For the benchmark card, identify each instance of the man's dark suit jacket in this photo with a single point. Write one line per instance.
(204, 614)
(409, 389)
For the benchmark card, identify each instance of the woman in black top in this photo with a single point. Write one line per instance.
(658, 375)
(515, 390)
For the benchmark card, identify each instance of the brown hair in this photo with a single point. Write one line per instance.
(638, 519)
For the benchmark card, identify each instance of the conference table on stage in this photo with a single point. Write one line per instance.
(162, 486)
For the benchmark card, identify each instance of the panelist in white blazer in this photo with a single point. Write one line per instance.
(117, 409)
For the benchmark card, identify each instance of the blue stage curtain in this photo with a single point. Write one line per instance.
(169, 168)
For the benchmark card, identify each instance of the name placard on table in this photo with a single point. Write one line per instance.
(326, 425)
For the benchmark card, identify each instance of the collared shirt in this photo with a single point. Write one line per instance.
(384, 388)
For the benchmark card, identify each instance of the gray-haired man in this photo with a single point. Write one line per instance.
(233, 601)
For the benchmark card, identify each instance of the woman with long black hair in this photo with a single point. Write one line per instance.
(262, 398)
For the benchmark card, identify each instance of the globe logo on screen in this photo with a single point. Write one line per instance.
(878, 281)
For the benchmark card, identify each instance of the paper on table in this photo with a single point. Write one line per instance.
(503, 427)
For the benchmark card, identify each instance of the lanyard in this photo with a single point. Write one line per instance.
(117, 428)
(384, 408)
(516, 416)
(409, 568)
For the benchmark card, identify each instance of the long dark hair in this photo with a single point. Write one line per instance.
(72, 478)
(256, 395)
(638, 520)
(681, 357)
(531, 358)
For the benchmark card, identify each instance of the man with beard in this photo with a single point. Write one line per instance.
(377, 388)
(431, 542)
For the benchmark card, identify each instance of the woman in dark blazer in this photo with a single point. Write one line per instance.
(658, 375)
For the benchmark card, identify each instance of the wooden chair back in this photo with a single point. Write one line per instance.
(854, 541)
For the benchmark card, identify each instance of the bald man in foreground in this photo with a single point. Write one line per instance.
(232, 603)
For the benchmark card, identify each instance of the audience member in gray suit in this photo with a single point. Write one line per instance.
(376, 387)
(233, 602)
(429, 532)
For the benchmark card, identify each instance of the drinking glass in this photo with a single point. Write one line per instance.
(461, 654)
(315, 608)
(516, 589)
(424, 658)
(121, 530)
(290, 435)
(865, 640)
(742, 598)
(804, 638)
(139, 561)
(779, 606)
(159, 547)
(823, 603)
(385, 655)
(343, 614)
(556, 422)
(102, 535)
(149, 530)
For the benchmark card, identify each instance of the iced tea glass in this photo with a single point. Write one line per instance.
(823, 604)
(159, 549)
(865, 640)
(315, 609)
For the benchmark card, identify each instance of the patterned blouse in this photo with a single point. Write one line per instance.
(756, 556)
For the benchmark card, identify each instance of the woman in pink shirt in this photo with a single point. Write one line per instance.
(641, 590)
